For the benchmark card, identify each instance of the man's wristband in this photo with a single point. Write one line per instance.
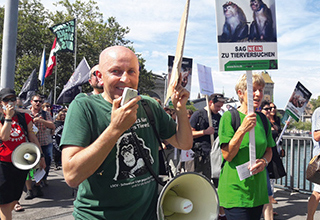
(7, 120)
(42, 155)
(265, 161)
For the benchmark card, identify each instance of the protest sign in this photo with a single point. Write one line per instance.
(244, 43)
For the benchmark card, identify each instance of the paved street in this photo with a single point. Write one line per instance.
(57, 203)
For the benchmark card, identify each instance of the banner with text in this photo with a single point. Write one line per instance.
(65, 34)
(247, 38)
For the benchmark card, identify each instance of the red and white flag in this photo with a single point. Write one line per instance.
(52, 58)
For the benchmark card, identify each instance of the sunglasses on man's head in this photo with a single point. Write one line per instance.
(12, 99)
(37, 101)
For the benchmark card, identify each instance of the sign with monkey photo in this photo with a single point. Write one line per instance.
(246, 33)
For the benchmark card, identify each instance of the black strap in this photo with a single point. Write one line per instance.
(23, 122)
(151, 119)
(145, 159)
(265, 122)
(235, 119)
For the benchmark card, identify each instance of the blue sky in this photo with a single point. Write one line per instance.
(154, 27)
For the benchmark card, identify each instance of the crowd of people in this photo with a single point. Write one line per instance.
(114, 152)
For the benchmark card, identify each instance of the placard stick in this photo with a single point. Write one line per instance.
(252, 143)
(282, 132)
(176, 69)
(209, 118)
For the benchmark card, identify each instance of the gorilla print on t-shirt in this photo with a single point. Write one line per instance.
(129, 162)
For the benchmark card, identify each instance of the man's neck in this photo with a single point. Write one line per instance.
(96, 91)
(34, 111)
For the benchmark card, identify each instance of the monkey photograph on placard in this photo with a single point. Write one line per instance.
(235, 27)
(246, 21)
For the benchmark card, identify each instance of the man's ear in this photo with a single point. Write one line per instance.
(99, 76)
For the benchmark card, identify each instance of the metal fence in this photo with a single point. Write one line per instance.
(298, 154)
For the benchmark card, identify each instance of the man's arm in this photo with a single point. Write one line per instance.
(316, 135)
(208, 131)
(183, 137)
(81, 162)
(48, 123)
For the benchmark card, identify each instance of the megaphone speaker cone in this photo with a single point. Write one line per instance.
(26, 156)
(188, 190)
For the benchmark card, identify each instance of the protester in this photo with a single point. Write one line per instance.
(46, 106)
(100, 154)
(12, 134)
(315, 196)
(43, 121)
(59, 123)
(201, 132)
(189, 113)
(97, 87)
(244, 200)
(268, 208)
(276, 131)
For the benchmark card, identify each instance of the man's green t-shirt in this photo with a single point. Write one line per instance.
(122, 187)
(250, 192)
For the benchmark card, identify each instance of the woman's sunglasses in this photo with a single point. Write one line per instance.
(12, 99)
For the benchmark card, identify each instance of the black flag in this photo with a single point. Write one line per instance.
(73, 86)
(29, 88)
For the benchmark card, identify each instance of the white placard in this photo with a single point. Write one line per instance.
(205, 80)
(242, 45)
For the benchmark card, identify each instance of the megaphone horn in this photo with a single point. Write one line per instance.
(188, 196)
(26, 156)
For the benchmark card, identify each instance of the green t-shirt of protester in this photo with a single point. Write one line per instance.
(250, 192)
(122, 187)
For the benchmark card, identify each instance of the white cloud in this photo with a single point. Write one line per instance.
(154, 27)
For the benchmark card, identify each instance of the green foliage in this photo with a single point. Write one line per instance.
(93, 35)
(315, 103)
(305, 126)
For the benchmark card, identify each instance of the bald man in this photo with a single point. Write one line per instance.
(100, 137)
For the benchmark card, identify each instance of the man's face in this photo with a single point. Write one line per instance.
(94, 82)
(216, 107)
(36, 103)
(119, 69)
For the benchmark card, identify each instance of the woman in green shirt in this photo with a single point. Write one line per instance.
(244, 199)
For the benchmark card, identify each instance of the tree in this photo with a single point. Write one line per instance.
(93, 35)
(315, 103)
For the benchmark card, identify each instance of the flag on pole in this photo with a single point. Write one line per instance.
(29, 88)
(73, 86)
(42, 69)
(65, 34)
(52, 58)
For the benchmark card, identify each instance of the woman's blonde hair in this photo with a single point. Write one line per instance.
(241, 85)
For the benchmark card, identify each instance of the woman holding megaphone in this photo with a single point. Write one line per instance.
(12, 134)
